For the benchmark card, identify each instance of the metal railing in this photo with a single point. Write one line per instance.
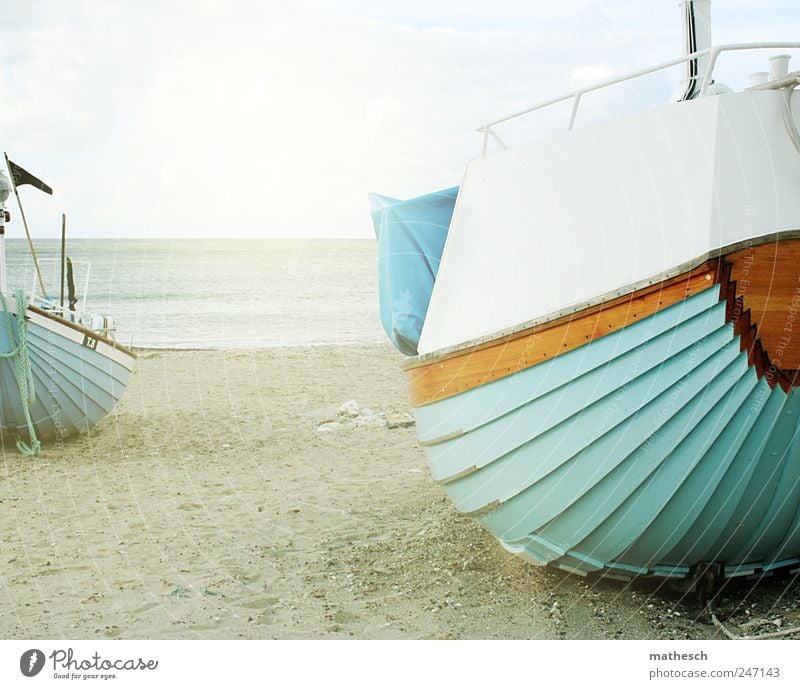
(52, 303)
(713, 53)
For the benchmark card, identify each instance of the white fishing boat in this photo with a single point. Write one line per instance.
(61, 371)
(605, 354)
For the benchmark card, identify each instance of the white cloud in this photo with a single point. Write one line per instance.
(245, 118)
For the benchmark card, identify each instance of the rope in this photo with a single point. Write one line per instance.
(746, 637)
(22, 363)
(751, 637)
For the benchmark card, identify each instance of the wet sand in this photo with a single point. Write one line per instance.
(226, 498)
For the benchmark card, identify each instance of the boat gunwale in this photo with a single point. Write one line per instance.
(522, 330)
(83, 330)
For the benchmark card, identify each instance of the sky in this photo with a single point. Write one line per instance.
(211, 118)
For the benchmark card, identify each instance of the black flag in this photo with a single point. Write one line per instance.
(22, 176)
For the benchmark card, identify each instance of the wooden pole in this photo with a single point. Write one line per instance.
(27, 231)
(63, 254)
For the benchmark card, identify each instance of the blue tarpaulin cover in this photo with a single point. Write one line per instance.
(411, 236)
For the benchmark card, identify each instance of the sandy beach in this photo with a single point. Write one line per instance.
(231, 495)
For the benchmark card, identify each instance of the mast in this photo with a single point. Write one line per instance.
(696, 36)
(5, 190)
(63, 254)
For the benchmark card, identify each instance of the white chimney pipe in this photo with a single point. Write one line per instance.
(696, 36)
(779, 67)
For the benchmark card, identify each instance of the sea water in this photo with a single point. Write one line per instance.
(230, 293)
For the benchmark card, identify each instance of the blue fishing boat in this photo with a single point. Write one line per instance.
(605, 374)
(61, 372)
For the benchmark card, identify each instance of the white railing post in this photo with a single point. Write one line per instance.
(485, 139)
(498, 140)
(712, 61)
(575, 103)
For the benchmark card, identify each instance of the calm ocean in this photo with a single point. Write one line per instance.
(183, 293)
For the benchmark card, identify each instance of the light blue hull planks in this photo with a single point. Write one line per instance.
(75, 385)
(646, 451)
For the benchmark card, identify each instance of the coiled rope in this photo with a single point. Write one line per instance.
(19, 353)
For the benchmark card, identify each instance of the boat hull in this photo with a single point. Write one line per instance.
(79, 376)
(643, 436)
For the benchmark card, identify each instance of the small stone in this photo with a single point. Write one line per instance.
(400, 420)
(328, 427)
(348, 410)
(367, 420)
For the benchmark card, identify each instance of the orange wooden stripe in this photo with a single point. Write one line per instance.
(767, 276)
(467, 369)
